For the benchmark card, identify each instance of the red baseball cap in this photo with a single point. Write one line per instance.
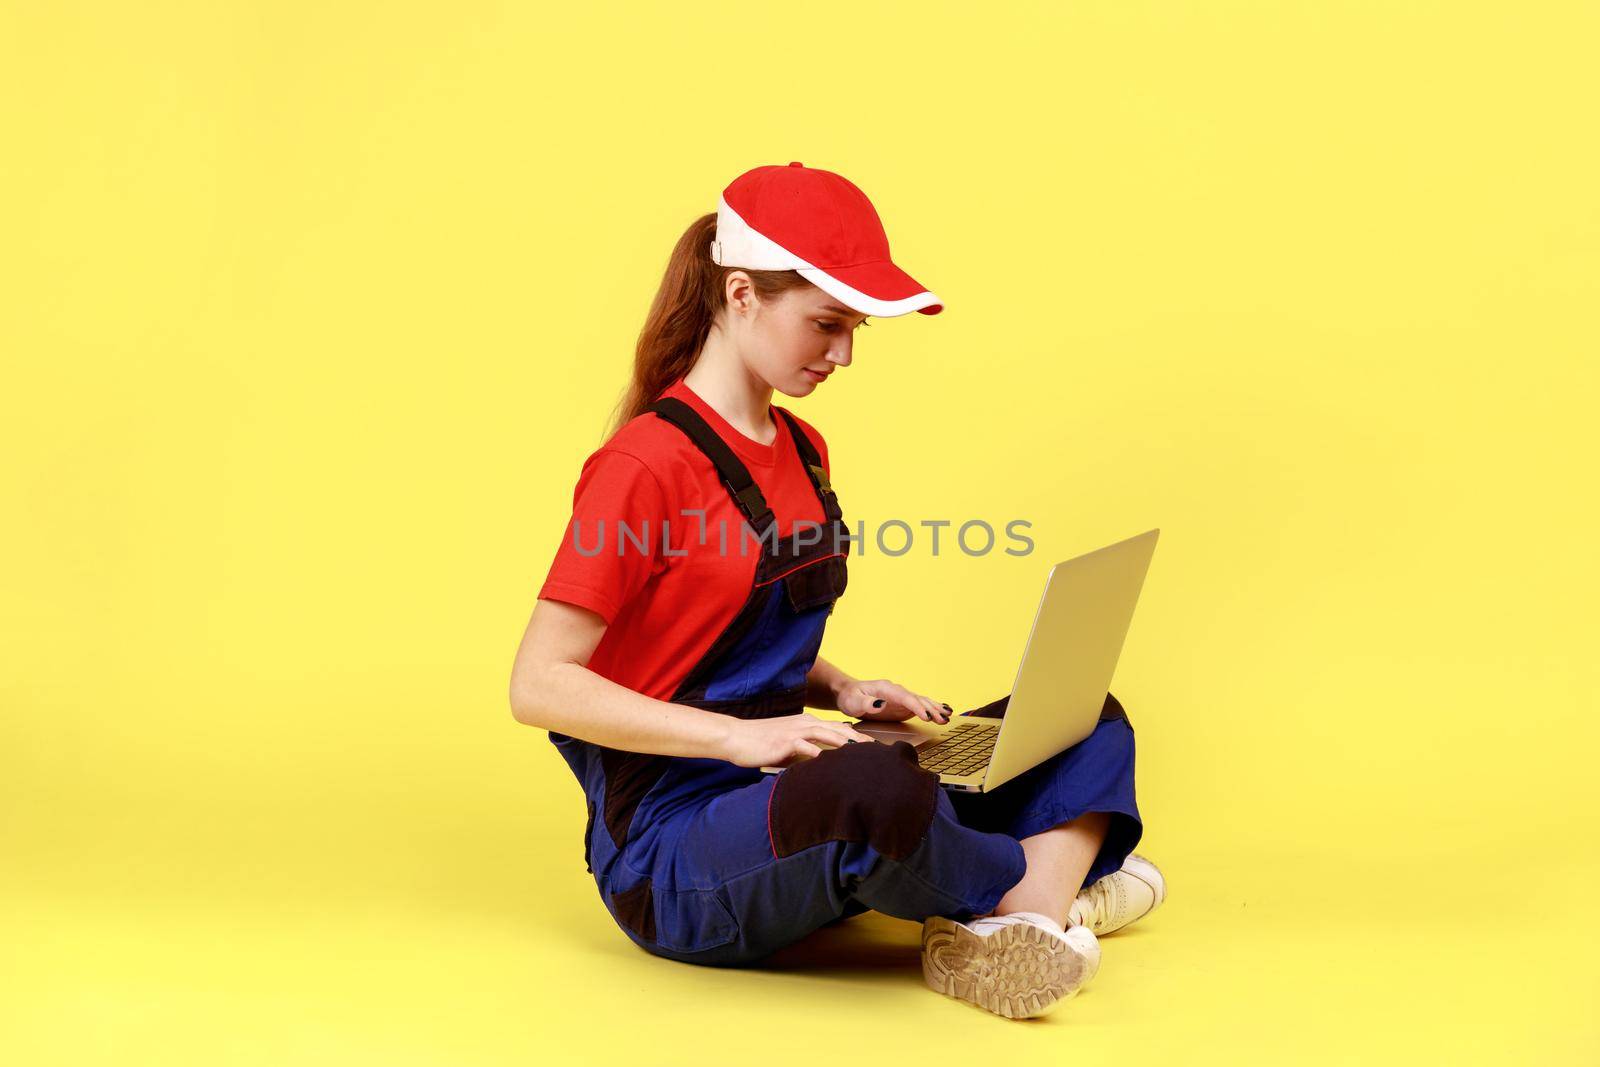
(818, 224)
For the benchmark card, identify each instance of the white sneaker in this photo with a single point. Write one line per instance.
(1018, 965)
(1119, 898)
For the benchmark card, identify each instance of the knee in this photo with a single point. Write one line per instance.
(870, 793)
(1111, 744)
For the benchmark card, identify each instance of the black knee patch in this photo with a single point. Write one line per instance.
(865, 792)
(629, 776)
(635, 908)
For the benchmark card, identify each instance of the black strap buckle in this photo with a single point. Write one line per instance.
(751, 500)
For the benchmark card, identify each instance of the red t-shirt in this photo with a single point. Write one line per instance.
(664, 610)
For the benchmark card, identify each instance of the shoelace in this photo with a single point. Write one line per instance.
(1094, 902)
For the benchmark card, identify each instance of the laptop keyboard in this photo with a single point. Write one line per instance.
(964, 750)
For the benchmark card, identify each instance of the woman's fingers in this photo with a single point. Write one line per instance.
(885, 692)
(821, 734)
(835, 734)
(824, 738)
(922, 707)
(912, 704)
(813, 727)
(936, 711)
(906, 699)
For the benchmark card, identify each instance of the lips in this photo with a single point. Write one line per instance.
(818, 375)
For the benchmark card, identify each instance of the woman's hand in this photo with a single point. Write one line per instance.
(783, 739)
(883, 700)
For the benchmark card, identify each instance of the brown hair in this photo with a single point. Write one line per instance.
(689, 298)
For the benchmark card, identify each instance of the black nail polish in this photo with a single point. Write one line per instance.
(946, 707)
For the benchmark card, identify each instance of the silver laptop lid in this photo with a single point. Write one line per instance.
(1071, 654)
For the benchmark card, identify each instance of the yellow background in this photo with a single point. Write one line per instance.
(309, 314)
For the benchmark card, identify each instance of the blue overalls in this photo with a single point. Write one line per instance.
(706, 862)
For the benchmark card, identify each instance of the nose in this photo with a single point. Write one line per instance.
(839, 351)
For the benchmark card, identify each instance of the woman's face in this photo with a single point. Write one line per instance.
(797, 339)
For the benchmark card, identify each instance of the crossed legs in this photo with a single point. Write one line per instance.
(1058, 861)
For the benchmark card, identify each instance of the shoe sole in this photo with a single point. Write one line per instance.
(1018, 971)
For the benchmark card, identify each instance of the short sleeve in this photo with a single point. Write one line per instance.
(613, 540)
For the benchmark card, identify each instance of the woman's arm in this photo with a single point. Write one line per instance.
(553, 688)
(823, 685)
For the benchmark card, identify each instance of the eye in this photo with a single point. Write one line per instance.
(825, 326)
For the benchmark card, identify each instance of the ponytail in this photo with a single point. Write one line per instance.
(682, 314)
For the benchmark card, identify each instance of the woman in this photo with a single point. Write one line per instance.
(674, 648)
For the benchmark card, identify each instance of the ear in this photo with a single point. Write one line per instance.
(739, 292)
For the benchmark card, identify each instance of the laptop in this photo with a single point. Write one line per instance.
(1061, 683)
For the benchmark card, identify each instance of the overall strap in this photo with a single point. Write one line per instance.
(814, 468)
(734, 474)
